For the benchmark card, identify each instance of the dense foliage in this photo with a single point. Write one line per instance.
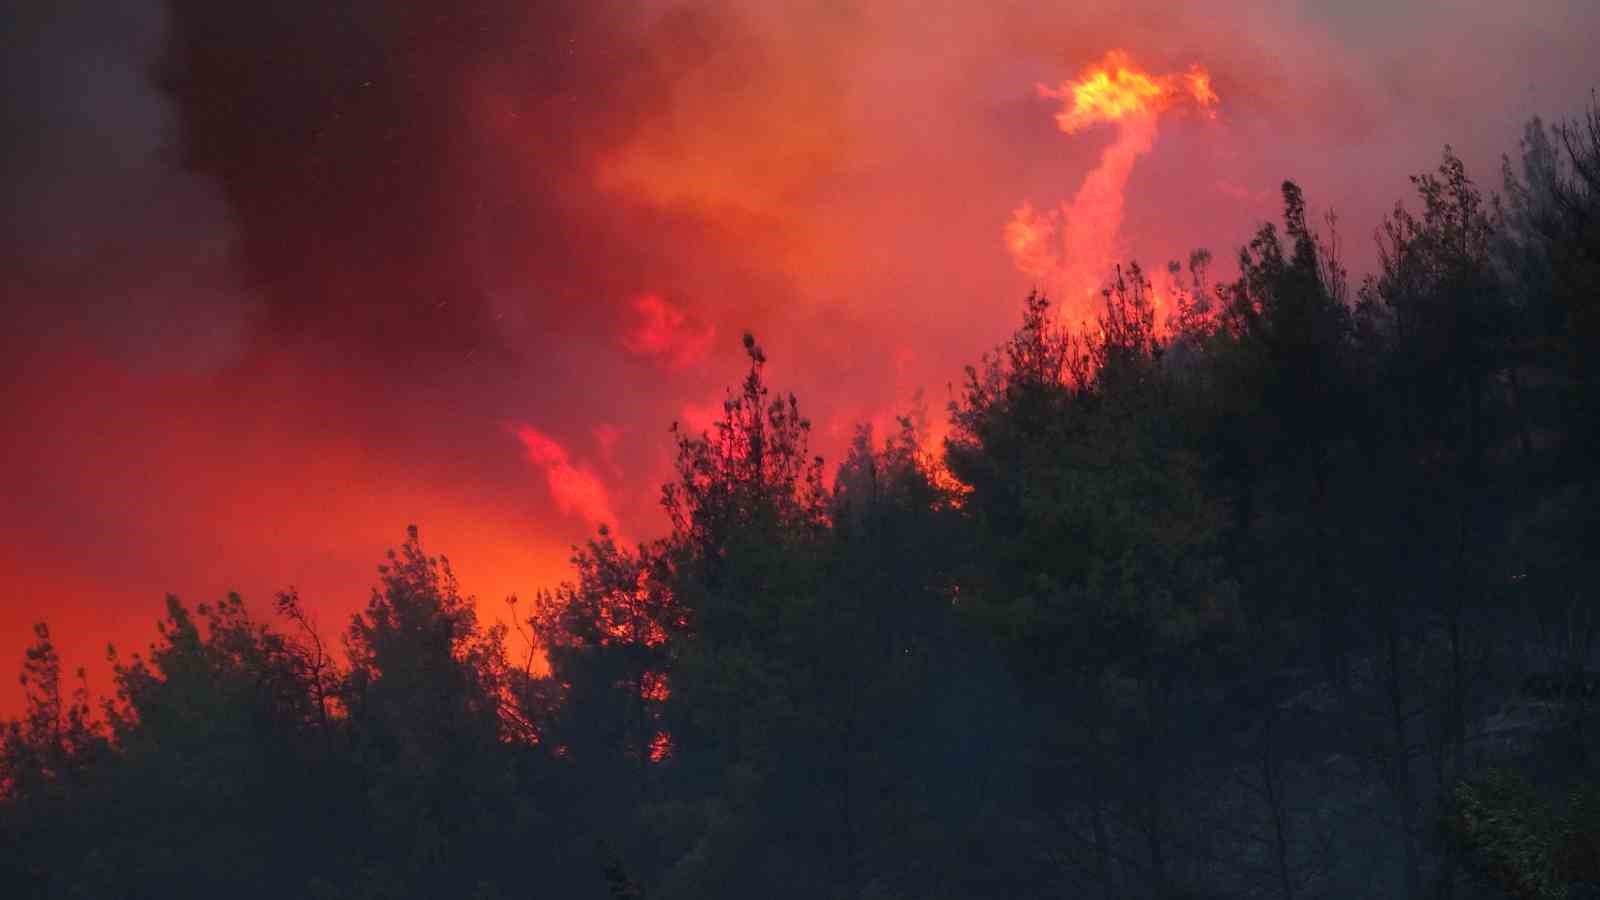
(1285, 594)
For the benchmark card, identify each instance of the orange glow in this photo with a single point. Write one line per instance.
(1070, 250)
(790, 139)
(932, 459)
(626, 616)
(233, 487)
(698, 418)
(252, 371)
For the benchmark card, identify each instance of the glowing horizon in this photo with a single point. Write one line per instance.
(463, 265)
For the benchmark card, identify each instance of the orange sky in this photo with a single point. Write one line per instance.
(463, 265)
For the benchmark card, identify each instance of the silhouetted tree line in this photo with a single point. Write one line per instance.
(1291, 598)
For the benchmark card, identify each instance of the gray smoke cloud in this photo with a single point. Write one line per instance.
(108, 238)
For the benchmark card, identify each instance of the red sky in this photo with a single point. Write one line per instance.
(338, 268)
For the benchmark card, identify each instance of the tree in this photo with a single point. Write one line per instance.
(1096, 567)
(749, 515)
(48, 761)
(425, 696)
(601, 708)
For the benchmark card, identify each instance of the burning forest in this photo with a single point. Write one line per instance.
(700, 448)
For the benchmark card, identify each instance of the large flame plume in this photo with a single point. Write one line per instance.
(1070, 249)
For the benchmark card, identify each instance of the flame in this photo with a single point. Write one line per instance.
(1069, 250)
(1115, 89)
(1198, 81)
(654, 687)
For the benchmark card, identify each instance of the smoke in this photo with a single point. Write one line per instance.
(666, 334)
(278, 275)
(107, 240)
(576, 488)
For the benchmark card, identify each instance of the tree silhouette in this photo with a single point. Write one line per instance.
(1251, 587)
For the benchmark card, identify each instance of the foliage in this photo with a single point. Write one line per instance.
(1221, 595)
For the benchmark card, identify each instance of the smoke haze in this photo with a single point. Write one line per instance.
(282, 278)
